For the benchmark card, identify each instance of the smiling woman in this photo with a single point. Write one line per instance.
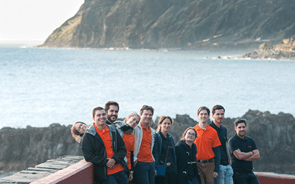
(34, 20)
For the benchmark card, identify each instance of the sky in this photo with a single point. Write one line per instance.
(34, 20)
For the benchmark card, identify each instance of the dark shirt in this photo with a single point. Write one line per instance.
(170, 158)
(222, 134)
(245, 145)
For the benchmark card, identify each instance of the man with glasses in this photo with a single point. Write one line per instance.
(208, 151)
(225, 174)
(243, 151)
(112, 110)
(144, 171)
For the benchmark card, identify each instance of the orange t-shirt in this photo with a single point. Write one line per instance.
(206, 140)
(145, 152)
(129, 144)
(108, 144)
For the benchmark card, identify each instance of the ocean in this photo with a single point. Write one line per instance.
(41, 86)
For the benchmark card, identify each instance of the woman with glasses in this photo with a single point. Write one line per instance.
(125, 129)
(78, 129)
(186, 152)
(164, 152)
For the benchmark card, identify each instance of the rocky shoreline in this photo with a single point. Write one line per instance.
(273, 133)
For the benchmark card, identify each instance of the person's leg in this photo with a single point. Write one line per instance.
(110, 179)
(201, 169)
(170, 178)
(221, 173)
(253, 179)
(151, 172)
(240, 178)
(141, 173)
(121, 177)
(195, 180)
(209, 173)
(228, 175)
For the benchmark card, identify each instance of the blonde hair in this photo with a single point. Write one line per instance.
(130, 116)
(75, 134)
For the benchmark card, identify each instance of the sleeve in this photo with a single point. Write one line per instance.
(121, 149)
(88, 148)
(156, 150)
(233, 145)
(216, 140)
(131, 160)
(254, 147)
(217, 153)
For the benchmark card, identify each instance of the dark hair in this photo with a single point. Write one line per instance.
(217, 107)
(203, 108)
(96, 109)
(109, 103)
(146, 107)
(238, 121)
(189, 128)
(162, 118)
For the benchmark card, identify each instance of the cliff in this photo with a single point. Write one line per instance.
(192, 24)
(273, 134)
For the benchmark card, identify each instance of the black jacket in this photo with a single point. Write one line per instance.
(94, 151)
(185, 155)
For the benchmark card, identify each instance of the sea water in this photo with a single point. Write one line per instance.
(40, 86)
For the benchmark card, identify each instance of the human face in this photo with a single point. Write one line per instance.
(112, 113)
(241, 129)
(166, 125)
(190, 136)
(218, 117)
(133, 121)
(203, 116)
(100, 117)
(81, 128)
(146, 117)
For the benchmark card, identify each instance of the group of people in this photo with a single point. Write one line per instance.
(130, 151)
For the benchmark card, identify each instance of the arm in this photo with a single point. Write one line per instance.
(242, 155)
(255, 156)
(121, 149)
(217, 153)
(88, 148)
(156, 150)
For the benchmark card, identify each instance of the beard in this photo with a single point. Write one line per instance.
(112, 118)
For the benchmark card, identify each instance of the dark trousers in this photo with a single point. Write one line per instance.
(169, 178)
(245, 178)
(117, 178)
(144, 172)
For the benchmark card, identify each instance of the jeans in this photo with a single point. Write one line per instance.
(144, 172)
(225, 175)
(194, 181)
(245, 178)
(117, 178)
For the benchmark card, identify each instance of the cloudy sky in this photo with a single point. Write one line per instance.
(34, 20)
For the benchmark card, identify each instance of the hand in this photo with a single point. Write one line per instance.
(155, 172)
(130, 177)
(215, 175)
(135, 162)
(111, 163)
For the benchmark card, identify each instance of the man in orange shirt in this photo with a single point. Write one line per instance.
(208, 150)
(103, 146)
(144, 171)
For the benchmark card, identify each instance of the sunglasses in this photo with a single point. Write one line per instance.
(147, 107)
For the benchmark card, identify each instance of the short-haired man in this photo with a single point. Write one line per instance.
(208, 151)
(112, 110)
(243, 151)
(103, 146)
(144, 171)
(225, 174)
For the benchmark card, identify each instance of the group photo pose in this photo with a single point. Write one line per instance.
(132, 152)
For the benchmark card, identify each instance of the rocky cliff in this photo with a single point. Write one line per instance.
(191, 24)
(274, 136)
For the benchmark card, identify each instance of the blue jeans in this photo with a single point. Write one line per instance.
(193, 181)
(144, 172)
(225, 175)
(245, 178)
(117, 178)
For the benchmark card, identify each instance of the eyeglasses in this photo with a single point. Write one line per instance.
(191, 134)
(147, 107)
(79, 127)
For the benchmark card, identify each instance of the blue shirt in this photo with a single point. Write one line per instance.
(245, 145)
(222, 134)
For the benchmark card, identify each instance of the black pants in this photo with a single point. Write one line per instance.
(245, 178)
(169, 178)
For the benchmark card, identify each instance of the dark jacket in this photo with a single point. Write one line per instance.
(185, 155)
(158, 148)
(94, 151)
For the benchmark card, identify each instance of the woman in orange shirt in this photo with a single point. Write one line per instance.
(125, 129)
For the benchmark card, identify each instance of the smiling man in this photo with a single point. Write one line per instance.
(225, 174)
(243, 151)
(208, 151)
(112, 110)
(144, 171)
(103, 146)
